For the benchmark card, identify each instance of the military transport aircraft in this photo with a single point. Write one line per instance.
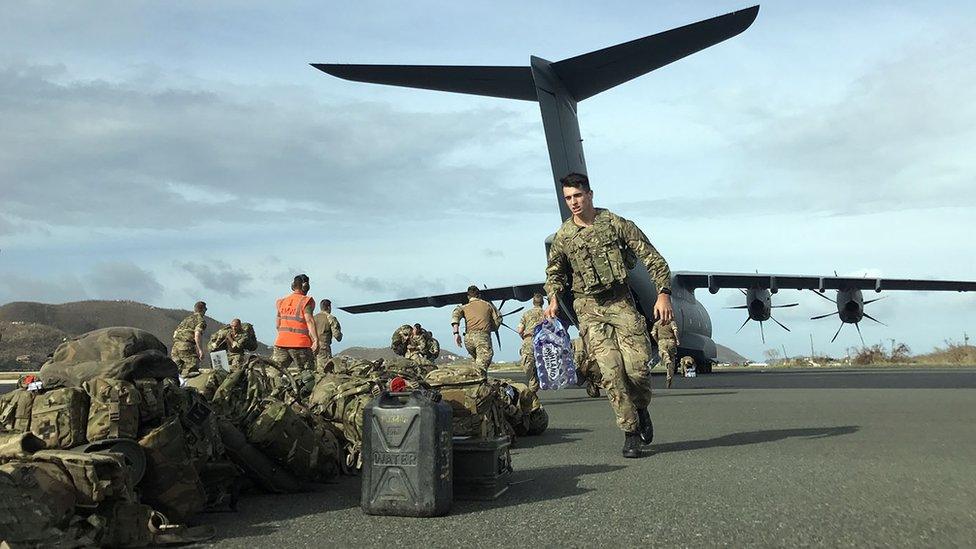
(557, 87)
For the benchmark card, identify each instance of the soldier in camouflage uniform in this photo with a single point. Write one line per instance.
(187, 346)
(481, 318)
(587, 370)
(417, 346)
(665, 334)
(329, 329)
(526, 328)
(591, 255)
(233, 339)
(687, 363)
(400, 339)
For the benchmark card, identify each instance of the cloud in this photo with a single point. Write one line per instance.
(131, 154)
(218, 276)
(55, 289)
(124, 280)
(897, 138)
(393, 288)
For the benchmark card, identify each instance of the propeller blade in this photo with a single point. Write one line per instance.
(498, 338)
(823, 296)
(874, 319)
(510, 328)
(781, 325)
(512, 312)
(875, 299)
(837, 333)
(737, 307)
(502, 306)
(743, 325)
(824, 316)
(786, 305)
(762, 334)
(858, 326)
(743, 292)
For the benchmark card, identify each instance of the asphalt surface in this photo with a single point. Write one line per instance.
(780, 458)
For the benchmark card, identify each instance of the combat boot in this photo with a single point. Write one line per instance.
(593, 390)
(632, 445)
(646, 426)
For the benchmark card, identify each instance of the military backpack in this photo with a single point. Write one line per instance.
(283, 435)
(476, 403)
(59, 417)
(114, 409)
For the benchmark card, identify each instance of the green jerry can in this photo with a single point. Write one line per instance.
(407, 455)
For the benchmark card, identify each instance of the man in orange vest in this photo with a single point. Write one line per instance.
(297, 339)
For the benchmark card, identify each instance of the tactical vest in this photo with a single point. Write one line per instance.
(292, 328)
(598, 257)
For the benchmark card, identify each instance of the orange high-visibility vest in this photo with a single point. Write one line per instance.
(292, 328)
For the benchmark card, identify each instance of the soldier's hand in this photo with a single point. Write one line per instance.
(552, 309)
(662, 309)
(200, 354)
(315, 346)
(457, 340)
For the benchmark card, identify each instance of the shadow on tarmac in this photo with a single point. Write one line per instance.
(751, 437)
(549, 437)
(665, 393)
(544, 484)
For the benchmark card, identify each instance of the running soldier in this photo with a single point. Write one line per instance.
(590, 256)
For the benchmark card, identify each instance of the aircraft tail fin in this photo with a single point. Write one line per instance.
(504, 82)
(591, 73)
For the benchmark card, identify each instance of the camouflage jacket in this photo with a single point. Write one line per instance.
(328, 327)
(530, 319)
(595, 259)
(478, 314)
(183, 336)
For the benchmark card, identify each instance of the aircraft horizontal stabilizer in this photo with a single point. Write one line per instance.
(504, 82)
(591, 73)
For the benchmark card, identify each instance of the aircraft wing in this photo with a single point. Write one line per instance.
(716, 281)
(521, 292)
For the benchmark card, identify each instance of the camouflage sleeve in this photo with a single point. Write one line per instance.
(457, 315)
(496, 317)
(336, 329)
(201, 325)
(521, 325)
(557, 269)
(637, 242)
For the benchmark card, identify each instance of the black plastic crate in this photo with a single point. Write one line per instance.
(482, 467)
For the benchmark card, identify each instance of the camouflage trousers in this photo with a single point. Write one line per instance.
(528, 366)
(236, 360)
(186, 360)
(478, 345)
(616, 337)
(303, 358)
(323, 356)
(418, 357)
(668, 351)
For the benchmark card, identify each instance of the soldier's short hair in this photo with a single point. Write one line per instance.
(537, 299)
(418, 326)
(199, 307)
(235, 322)
(299, 281)
(326, 304)
(576, 180)
(473, 291)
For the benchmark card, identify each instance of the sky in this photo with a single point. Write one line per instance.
(167, 152)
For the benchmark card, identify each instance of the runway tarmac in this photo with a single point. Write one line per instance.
(782, 458)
